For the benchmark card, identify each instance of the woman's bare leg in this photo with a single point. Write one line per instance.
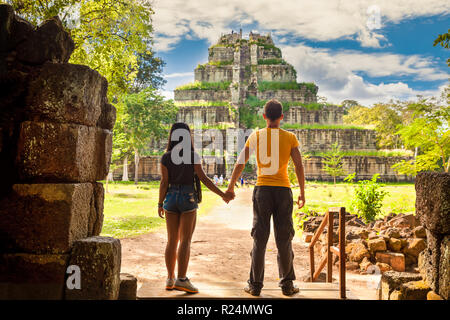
(172, 223)
(186, 229)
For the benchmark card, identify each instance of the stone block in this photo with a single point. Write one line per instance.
(6, 21)
(376, 245)
(414, 290)
(48, 42)
(420, 232)
(395, 244)
(107, 117)
(444, 269)
(356, 251)
(51, 152)
(395, 260)
(46, 218)
(428, 264)
(128, 287)
(99, 261)
(96, 213)
(433, 296)
(307, 237)
(391, 280)
(433, 201)
(30, 276)
(66, 93)
(414, 246)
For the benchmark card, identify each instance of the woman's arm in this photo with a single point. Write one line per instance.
(207, 182)
(163, 189)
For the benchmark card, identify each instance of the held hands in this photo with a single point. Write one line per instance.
(228, 195)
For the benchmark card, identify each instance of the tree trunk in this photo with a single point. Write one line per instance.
(125, 169)
(109, 177)
(136, 166)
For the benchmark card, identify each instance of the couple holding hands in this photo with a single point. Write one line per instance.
(272, 196)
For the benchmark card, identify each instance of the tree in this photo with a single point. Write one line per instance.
(333, 162)
(443, 40)
(111, 36)
(144, 115)
(368, 199)
(384, 117)
(429, 132)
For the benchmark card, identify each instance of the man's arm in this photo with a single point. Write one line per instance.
(238, 168)
(300, 173)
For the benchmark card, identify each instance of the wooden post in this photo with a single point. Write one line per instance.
(311, 262)
(342, 256)
(329, 244)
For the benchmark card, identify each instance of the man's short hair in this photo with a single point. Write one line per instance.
(273, 109)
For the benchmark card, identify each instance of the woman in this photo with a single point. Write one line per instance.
(180, 204)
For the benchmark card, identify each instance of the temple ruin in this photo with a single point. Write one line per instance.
(242, 71)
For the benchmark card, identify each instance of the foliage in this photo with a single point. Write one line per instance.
(443, 40)
(250, 113)
(291, 85)
(149, 73)
(199, 85)
(333, 162)
(350, 178)
(272, 61)
(429, 132)
(319, 126)
(368, 199)
(113, 37)
(364, 153)
(202, 103)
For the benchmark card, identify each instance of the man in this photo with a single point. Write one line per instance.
(272, 196)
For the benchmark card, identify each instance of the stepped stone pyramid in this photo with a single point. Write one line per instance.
(240, 69)
(242, 74)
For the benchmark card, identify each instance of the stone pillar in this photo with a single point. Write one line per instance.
(433, 211)
(56, 143)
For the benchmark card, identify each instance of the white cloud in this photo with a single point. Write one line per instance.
(167, 94)
(335, 72)
(178, 75)
(314, 20)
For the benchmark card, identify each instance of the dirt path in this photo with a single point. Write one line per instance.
(220, 250)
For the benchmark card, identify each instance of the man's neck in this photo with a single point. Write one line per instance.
(273, 126)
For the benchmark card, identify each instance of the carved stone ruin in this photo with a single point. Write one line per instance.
(55, 144)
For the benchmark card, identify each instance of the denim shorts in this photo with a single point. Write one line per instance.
(180, 198)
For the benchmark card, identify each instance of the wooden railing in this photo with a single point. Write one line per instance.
(340, 251)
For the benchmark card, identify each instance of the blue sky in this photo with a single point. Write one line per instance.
(369, 51)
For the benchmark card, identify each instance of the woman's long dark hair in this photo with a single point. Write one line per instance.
(178, 125)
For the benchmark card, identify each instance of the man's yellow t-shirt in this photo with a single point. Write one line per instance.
(273, 150)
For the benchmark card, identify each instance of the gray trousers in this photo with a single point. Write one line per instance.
(268, 201)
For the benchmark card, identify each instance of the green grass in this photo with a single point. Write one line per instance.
(320, 126)
(198, 85)
(132, 210)
(290, 85)
(272, 61)
(322, 195)
(202, 103)
(215, 63)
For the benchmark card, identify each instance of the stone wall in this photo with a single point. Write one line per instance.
(211, 73)
(365, 168)
(300, 95)
(207, 115)
(433, 211)
(322, 139)
(325, 115)
(208, 95)
(268, 53)
(55, 128)
(221, 53)
(276, 72)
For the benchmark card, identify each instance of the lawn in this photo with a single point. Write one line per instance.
(131, 210)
